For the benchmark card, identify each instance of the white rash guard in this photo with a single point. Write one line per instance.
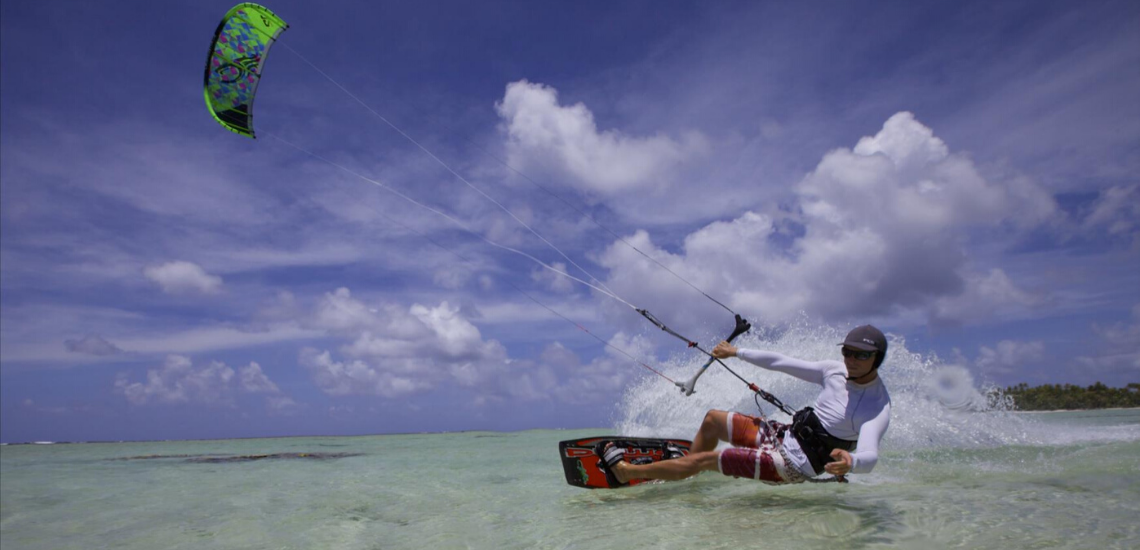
(847, 410)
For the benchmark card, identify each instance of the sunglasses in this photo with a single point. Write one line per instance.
(857, 354)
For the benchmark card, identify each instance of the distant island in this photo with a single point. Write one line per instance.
(1052, 397)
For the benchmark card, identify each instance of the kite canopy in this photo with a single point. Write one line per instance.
(233, 69)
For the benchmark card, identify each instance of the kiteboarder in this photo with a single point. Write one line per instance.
(840, 434)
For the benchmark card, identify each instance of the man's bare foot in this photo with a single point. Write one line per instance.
(620, 472)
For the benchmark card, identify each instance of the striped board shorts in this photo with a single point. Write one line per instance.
(757, 452)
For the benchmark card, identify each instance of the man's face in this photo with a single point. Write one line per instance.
(859, 363)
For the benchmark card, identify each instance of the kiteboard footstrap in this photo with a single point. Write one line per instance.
(610, 455)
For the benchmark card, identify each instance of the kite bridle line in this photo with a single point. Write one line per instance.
(687, 388)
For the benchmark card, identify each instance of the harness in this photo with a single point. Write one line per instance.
(814, 439)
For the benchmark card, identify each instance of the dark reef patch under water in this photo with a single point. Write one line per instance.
(217, 458)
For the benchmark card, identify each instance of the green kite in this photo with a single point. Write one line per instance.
(237, 56)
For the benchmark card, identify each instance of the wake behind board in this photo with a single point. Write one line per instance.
(581, 464)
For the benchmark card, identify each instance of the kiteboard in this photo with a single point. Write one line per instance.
(581, 464)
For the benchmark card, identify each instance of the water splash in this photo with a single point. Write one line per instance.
(934, 405)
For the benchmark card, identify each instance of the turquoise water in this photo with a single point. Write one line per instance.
(957, 471)
(505, 490)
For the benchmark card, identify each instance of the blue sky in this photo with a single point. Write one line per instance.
(961, 174)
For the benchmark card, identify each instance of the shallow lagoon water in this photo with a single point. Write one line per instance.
(958, 470)
(505, 490)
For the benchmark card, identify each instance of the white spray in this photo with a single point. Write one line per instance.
(933, 405)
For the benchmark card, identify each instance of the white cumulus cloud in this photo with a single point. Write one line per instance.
(393, 350)
(178, 380)
(181, 277)
(544, 134)
(1007, 355)
(355, 377)
(253, 380)
(876, 230)
(554, 281)
(983, 297)
(595, 381)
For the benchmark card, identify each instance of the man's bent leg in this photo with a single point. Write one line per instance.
(767, 464)
(670, 470)
(741, 430)
(713, 429)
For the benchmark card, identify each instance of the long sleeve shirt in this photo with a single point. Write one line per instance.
(847, 410)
